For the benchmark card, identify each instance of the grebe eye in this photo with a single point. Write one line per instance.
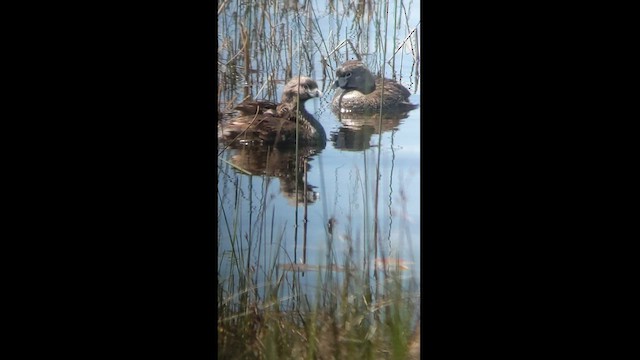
(349, 74)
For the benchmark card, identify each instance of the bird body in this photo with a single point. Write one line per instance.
(282, 124)
(358, 91)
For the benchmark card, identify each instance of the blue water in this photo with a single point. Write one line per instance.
(270, 226)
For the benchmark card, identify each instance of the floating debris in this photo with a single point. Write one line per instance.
(392, 263)
(307, 267)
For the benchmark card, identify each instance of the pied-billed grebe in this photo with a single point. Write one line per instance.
(275, 124)
(358, 91)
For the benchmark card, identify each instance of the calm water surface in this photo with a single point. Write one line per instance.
(262, 225)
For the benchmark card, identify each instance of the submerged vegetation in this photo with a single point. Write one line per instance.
(360, 299)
